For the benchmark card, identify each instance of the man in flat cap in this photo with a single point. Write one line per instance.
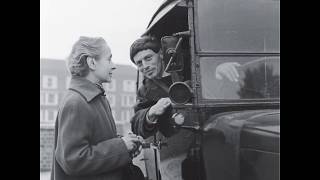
(153, 107)
(153, 102)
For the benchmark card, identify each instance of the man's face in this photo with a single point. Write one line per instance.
(104, 66)
(148, 63)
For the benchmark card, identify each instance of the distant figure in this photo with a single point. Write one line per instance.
(86, 142)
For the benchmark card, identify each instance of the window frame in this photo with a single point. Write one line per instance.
(125, 85)
(197, 39)
(45, 79)
(197, 53)
(56, 98)
(128, 113)
(125, 102)
(44, 121)
(217, 59)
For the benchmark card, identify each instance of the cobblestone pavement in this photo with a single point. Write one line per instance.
(45, 175)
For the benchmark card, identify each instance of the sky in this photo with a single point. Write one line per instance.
(119, 22)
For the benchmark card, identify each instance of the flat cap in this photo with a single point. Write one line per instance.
(143, 43)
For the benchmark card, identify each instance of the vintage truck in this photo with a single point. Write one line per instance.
(230, 129)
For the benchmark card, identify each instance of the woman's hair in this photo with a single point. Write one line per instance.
(85, 47)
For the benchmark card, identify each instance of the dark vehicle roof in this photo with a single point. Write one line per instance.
(165, 7)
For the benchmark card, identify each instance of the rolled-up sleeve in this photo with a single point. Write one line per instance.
(76, 154)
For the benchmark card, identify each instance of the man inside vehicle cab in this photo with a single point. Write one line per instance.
(152, 110)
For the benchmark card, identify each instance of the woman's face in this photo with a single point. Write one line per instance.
(148, 63)
(104, 66)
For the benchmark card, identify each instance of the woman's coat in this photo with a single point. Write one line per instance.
(86, 141)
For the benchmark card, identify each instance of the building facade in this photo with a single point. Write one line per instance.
(54, 81)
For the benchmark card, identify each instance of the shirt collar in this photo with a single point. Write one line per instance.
(86, 88)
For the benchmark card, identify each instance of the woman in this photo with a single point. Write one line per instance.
(86, 141)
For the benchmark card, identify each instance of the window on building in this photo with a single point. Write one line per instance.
(110, 87)
(127, 100)
(51, 115)
(41, 115)
(112, 99)
(126, 115)
(42, 98)
(49, 82)
(51, 98)
(129, 85)
(48, 115)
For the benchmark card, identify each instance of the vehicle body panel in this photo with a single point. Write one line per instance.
(242, 145)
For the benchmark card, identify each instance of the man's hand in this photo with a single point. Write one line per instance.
(228, 70)
(159, 108)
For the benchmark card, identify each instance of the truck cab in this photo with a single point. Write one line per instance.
(231, 126)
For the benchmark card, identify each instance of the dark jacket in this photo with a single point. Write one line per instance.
(148, 95)
(86, 142)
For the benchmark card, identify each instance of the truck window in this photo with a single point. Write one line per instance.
(259, 78)
(239, 25)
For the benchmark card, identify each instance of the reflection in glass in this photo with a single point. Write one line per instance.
(240, 77)
(259, 81)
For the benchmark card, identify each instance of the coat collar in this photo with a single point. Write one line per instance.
(85, 87)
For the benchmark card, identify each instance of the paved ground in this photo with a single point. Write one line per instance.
(45, 175)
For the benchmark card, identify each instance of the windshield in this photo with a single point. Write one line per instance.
(239, 25)
(240, 77)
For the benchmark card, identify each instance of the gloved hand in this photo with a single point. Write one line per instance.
(228, 70)
(158, 109)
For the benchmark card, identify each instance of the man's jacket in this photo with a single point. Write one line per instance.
(86, 142)
(148, 95)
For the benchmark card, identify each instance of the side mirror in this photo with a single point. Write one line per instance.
(172, 56)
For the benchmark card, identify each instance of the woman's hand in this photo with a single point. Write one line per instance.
(138, 150)
(133, 143)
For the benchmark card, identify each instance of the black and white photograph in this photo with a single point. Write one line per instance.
(160, 89)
